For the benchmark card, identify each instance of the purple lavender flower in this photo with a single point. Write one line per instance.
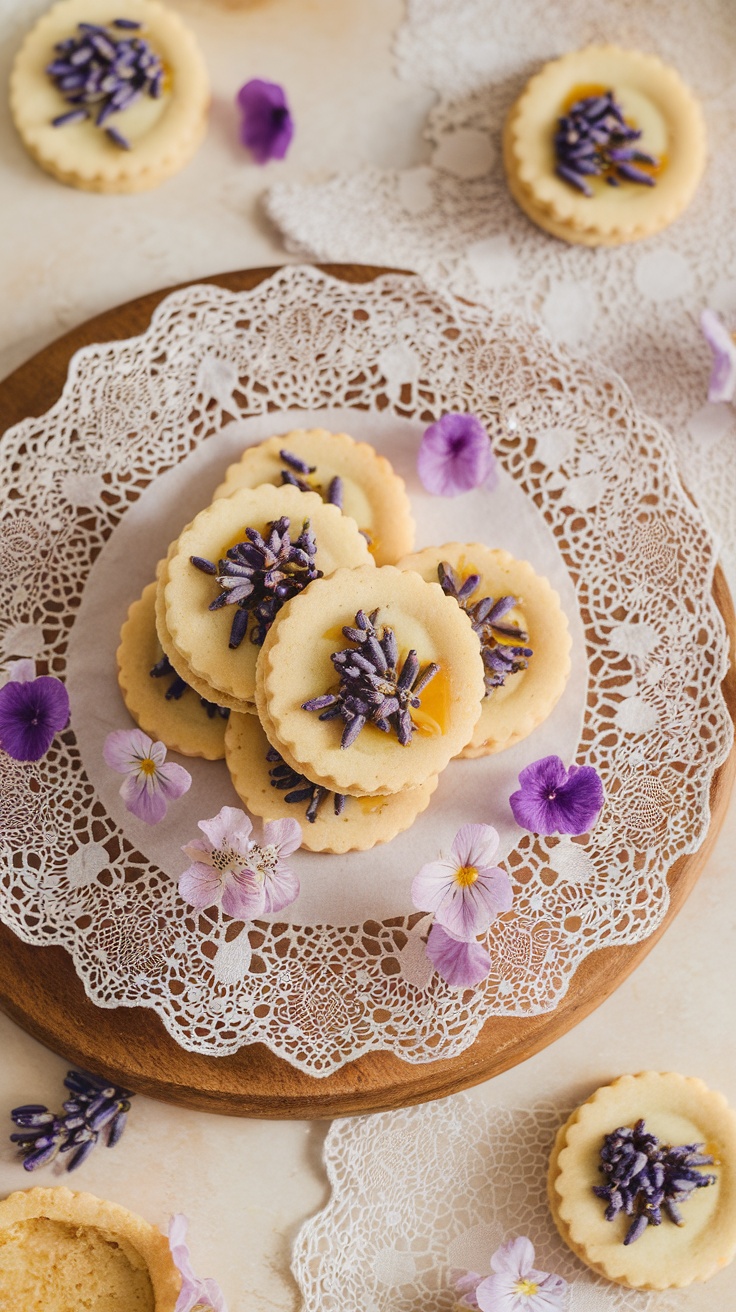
(553, 800)
(646, 1178)
(151, 782)
(32, 712)
(194, 1293)
(267, 127)
(463, 890)
(461, 965)
(593, 139)
(516, 1285)
(455, 456)
(96, 1109)
(722, 386)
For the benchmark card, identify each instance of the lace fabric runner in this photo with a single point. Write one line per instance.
(104, 480)
(636, 307)
(438, 1188)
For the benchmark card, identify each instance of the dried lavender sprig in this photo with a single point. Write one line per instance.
(593, 139)
(176, 689)
(97, 67)
(96, 1110)
(645, 1177)
(299, 789)
(500, 658)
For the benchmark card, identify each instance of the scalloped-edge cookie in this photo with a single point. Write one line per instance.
(54, 1243)
(653, 98)
(201, 636)
(677, 1109)
(512, 711)
(363, 823)
(295, 666)
(373, 494)
(163, 133)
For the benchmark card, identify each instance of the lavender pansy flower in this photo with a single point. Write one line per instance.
(517, 1286)
(722, 343)
(194, 1293)
(267, 127)
(151, 781)
(553, 800)
(32, 712)
(455, 456)
(228, 869)
(462, 965)
(463, 890)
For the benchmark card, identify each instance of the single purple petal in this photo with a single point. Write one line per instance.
(201, 885)
(268, 127)
(455, 455)
(31, 714)
(243, 897)
(284, 835)
(142, 796)
(124, 749)
(475, 845)
(516, 1258)
(431, 884)
(722, 385)
(281, 887)
(465, 1286)
(194, 1292)
(173, 780)
(231, 828)
(461, 965)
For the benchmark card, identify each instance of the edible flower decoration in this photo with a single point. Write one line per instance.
(593, 139)
(502, 646)
(515, 1286)
(206, 1294)
(245, 878)
(465, 894)
(374, 687)
(299, 474)
(300, 789)
(260, 574)
(163, 669)
(267, 127)
(102, 71)
(553, 800)
(645, 1178)
(32, 711)
(151, 782)
(722, 343)
(96, 1110)
(455, 456)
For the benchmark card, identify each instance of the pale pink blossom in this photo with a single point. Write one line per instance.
(151, 781)
(517, 1286)
(463, 890)
(230, 870)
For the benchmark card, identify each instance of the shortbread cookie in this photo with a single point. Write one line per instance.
(202, 635)
(347, 473)
(678, 1111)
(134, 147)
(526, 697)
(333, 744)
(61, 1250)
(330, 822)
(653, 99)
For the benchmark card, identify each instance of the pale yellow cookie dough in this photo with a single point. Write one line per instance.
(654, 98)
(295, 666)
(164, 133)
(200, 635)
(60, 1251)
(514, 710)
(678, 1110)
(373, 494)
(364, 821)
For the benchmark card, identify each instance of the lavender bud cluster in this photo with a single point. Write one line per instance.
(500, 658)
(101, 73)
(299, 788)
(646, 1178)
(95, 1110)
(594, 140)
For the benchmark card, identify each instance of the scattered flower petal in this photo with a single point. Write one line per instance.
(722, 343)
(465, 1286)
(463, 890)
(553, 800)
(20, 671)
(228, 869)
(32, 712)
(455, 455)
(194, 1293)
(267, 127)
(151, 782)
(516, 1285)
(462, 965)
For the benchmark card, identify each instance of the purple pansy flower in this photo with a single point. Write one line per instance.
(455, 455)
(722, 343)
(267, 127)
(516, 1285)
(462, 965)
(246, 879)
(194, 1293)
(32, 711)
(553, 800)
(151, 781)
(463, 890)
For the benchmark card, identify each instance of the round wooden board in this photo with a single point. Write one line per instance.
(41, 991)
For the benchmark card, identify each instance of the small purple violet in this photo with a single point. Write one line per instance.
(228, 869)
(460, 964)
(151, 782)
(516, 1285)
(463, 890)
(455, 456)
(32, 711)
(553, 800)
(194, 1293)
(722, 386)
(267, 127)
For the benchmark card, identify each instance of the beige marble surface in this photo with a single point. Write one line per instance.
(246, 1185)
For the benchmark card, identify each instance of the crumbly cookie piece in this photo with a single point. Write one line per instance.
(368, 488)
(678, 1110)
(654, 99)
(512, 711)
(54, 1243)
(200, 635)
(362, 823)
(163, 131)
(295, 667)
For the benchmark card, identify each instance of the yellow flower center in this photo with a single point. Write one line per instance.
(147, 766)
(466, 875)
(527, 1287)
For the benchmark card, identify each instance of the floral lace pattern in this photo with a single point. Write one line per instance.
(75, 871)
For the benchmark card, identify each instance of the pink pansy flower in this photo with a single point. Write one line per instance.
(228, 869)
(462, 965)
(151, 781)
(516, 1285)
(722, 386)
(463, 890)
(194, 1293)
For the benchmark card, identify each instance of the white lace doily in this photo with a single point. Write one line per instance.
(635, 308)
(98, 486)
(420, 1191)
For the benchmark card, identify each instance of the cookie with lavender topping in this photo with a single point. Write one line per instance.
(370, 682)
(604, 146)
(110, 103)
(642, 1181)
(522, 631)
(347, 473)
